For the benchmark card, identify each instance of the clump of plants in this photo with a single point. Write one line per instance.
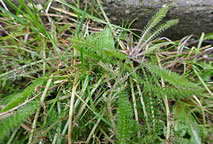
(66, 79)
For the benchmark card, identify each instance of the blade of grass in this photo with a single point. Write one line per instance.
(12, 136)
(90, 98)
(93, 130)
(204, 84)
(13, 16)
(102, 10)
(71, 111)
(51, 108)
(78, 27)
(166, 105)
(88, 15)
(38, 111)
(27, 65)
(201, 107)
(97, 114)
(134, 103)
(87, 99)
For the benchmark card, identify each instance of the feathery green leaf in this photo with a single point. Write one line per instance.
(127, 126)
(14, 121)
(161, 28)
(20, 98)
(155, 20)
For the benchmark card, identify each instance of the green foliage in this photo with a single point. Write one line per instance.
(151, 31)
(186, 124)
(127, 126)
(8, 87)
(156, 119)
(159, 29)
(183, 88)
(155, 20)
(15, 120)
(7, 99)
(155, 47)
(21, 97)
(208, 36)
(98, 46)
(103, 105)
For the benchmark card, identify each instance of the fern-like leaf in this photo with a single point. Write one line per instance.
(155, 20)
(173, 78)
(20, 98)
(170, 91)
(98, 46)
(161, 28)
(14, 121)
(127, 126)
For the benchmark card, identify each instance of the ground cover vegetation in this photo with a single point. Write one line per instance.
(73, 77)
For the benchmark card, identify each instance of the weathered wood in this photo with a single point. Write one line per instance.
(196, 16)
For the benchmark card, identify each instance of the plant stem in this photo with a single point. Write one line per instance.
(166, 105)
(38, 111)
(76, 82)
(134, 103)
